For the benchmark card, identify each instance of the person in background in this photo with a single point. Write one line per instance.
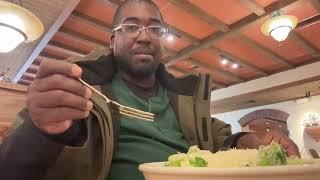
(67, 132)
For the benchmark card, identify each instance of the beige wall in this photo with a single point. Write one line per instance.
(12, 100)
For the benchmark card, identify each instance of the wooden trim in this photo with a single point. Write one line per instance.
(11, 86)
(253, 6)
(235, 27)
(70, 6)
(265, 51)
(196, 11)
(302, 42)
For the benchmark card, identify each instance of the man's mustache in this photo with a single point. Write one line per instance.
(143, 50)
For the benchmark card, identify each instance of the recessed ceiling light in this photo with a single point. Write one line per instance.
(235, 66)
(224, 61)
(170, 37)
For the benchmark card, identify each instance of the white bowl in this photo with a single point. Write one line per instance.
(157, 171)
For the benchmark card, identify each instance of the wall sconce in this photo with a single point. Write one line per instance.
(279, 26)
(17, 25)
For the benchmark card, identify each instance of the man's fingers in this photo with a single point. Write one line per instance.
(50, 67)
(293, 151)
(60, 82)
(59, 98)
(59, 114)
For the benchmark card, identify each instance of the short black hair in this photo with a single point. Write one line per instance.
(116, 17)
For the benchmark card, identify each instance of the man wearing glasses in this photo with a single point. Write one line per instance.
(69, 133)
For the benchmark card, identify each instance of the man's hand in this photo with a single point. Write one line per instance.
(56, 97)
(253, 141)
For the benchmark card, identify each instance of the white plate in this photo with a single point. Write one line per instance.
(157, 171)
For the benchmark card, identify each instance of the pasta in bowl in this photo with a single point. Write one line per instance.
(269, 162)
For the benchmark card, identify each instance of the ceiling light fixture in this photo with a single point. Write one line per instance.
(17, 25)
(235, 66)
(279, 26)
(226, 61)
(170, 37)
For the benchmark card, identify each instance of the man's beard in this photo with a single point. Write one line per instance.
(126, 65)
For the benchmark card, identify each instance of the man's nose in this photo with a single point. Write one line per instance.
(144, 36)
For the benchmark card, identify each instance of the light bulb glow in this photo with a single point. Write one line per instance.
(224, 61)
(280, 33)
(170, 37)
(12, 20)
(279, 27)
(235, 66)
(10, 39)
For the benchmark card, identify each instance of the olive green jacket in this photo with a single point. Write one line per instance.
(28, 153)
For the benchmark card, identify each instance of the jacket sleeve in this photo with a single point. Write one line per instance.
(222, 136)
(26, 153)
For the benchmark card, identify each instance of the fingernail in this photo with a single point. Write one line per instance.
(89, 105)
(88, 93)
(76, 70)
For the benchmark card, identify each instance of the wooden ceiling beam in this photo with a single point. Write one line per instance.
(78, 16)
(235, 27)
(265, 51)
(67, 48)
(211, 67)
(33, 68)
(44, 55)
(183, 71)
(253, 6)
(316, 4)
(66, 51)
(181, 34)
(302, 42)
(240, 61)
(308, 22)
(30, 75)
(24, 82)
(196, 11)
(80, 37)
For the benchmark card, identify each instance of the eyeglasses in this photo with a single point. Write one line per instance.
(155, 32)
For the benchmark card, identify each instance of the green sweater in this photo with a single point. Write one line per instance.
(142, 141)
